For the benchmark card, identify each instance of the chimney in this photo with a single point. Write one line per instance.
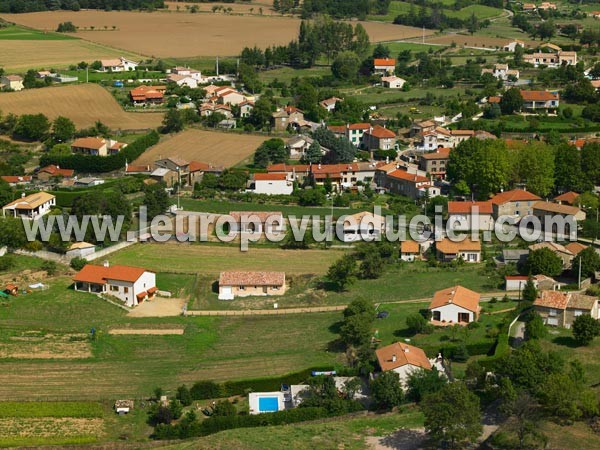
(22, 194)
(393, 358)
(406, 349)
(319, 165)
(106, 263)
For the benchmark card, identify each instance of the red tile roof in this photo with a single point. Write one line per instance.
(568, 197)
(100, 274)
(456, 295)
(288, 167)
(389, 62)
(17, 178)
(196, 166)
(359, 126)
(409, 247)
(381, 132)
(538, 96)
(440, 153)
(399, 354)
(467, 207)
(404, 175)
(89, 142)
(552, 299)
(232, 278)
(516, 195)
(449, 247)
(57, 171)
(270, 176)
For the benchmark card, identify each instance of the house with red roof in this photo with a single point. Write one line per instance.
(402, 182)
(378, 138)
(466, 216)
(97, 146)
(516, 203)
(455, 305)
(147, 95)
(402, 358)
(271, 184)
(545, 101)
(434, 163)
(568, 198)
(131, 285)
(52, 171)
(384, 66)
(196, 171)
(562, 308)
(250, 283)
(17, 180)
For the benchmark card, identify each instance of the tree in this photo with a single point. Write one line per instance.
(371, 266)
(535, 328)
(50, 267)
(60, 150)
(416, 323)
(313, 154)
(224, 408)
(386, 390)
(63, 129)
(342, 272)
(271, 151)
(585, 329)
(78, 263)
(511, 101)
(345, 66)
(156, 199)
(260, 116)
(184, 396)
(590, 162)
(356, 329)
(422, 382)
(473, 24)
(589, 260)
(518, 55)
(172, 122)
(544, 261)
(535, 168)
(452, 415)
(546, 30)
(66, 27)
(567, 169)
(530, 292)
(33, 127)
(381, 51)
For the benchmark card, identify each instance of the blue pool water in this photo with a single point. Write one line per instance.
(268, 404)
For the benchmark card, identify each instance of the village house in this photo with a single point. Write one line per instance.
(468, 250)
(49, 172)
(182, 80)
(568, 198)
(244, 284)
(11, 82)
(164, 175)
(455, 305)
(246, 108)
(518, 282)
(118, 65)
(137, 169)
(516, 203)
(542, 59)
(558, 249)
(196, 171)
(502, 72)
(378, 138)
(418, 128)
(549, 213)
(187, 72)
(470, 215)
(435, 163)
(131, 285)
(343, 175)
(514, 256)
(330, 103)
(97, 146)
(410, 251)
(404, 359)
(298, 145)
(256, 222)
(80, 250)
(562, 308)
(88, 182)
(17, 180)
(175, 164)
(364, 226)
(355, 132)
(512, 45)
(403, 182)
(567, 58)
(294, 172)
(32, 206)
(431, 140)
(271, 184)
(458, 136)
(393, 82)
(285, 117)
(208, 109)
(384, 66)
(547, 5)
(529, 7)
(225, 95)
(147, 95)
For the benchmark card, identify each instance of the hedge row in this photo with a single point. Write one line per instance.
(100, 164)
(213, 425)
(203, 390)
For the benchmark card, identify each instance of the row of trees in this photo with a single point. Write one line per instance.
(25, 6)
(484, 167)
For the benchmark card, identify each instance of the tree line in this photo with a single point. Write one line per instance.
(25, 6)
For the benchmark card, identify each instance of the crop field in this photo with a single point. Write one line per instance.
(16, 33)
(248, 7)
(210, 259)
(218, 148)
(167, 34)
(84, 104)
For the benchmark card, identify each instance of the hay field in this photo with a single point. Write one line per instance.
(181, 35)
(84, 104)
(38, 54)
(218, 148)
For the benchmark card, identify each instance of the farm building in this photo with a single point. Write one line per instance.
(11, 82)
(454, 305)
(31, 206)
(243, 284)
(132, 285)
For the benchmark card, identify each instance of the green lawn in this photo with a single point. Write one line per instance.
(18, 33)
(286, 74)
(481, 12)
(401, 8)
(93, 76)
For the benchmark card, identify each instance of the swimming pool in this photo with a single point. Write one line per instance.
(268, 404)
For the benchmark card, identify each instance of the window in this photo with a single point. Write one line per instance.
(114, 288)
(552, 313)
(126, 290)
(578, 312)
(242, 288)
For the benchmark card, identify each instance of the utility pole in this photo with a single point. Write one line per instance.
(579, 278)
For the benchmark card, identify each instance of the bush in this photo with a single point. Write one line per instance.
(7, 262)
(202, 390)
(77, 263)
(50, 267)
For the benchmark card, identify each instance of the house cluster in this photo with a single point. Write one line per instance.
(562, 308)
(366, 136)
(502, 72)
(173, 171)
(551, 56)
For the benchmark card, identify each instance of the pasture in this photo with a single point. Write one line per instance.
(84, 104)
(218, 148)
(167, 34)
(16, 33)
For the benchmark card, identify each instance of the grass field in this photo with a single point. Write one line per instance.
(165, 34)
(286, 74)
(84, 104)
(208, 259)
(217, 148)
(400, 8)
(16, 33)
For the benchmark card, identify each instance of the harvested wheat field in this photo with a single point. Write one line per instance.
(237, 8)
(27, 54)
(212, 147)
(84, 104)
(179, 35)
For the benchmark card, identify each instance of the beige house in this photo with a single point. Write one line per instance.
(517, 203)
(544, 101)
(404, 183)
(561, 308)
(465, 216)
(283, 118)
(410, 251)
(31, 206)
(435, 162)
(12, 82)
(49, 172)
(378, 138)
(393, 82)
(548, 213)
(455, 305)
(244, 284)
(97, 146)
(403, 359)
(467, 249)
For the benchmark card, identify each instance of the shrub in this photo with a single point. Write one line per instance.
(7, 262)
(184, 395)
(50, 267)
(77, 263)
(202, 390)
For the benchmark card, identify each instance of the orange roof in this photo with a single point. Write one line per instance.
(399, 354)
(17, 178)
(448, 247)
(404, 175)
(575, 247)
(462, 132)
(270, 176)
(409, 247)
(89, 142)
(196, 166)
(339, 129)
(136, 169)
(556, 208)
(439, 153)
(552, 299)
(232, 278)
(568, 197)
(359, 126)
(100, 274)
(494, 99)
(467, 207)
(457, 295)
(381, 132)
(57, 171)
(389, 62)
(516, 195)
(282, 167)
(538, 96)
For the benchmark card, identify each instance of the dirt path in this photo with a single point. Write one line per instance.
(148, 331)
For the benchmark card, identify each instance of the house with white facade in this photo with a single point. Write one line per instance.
(131, 285)
(12, 82)
(330, 103)
(271, 184)
(118, 65)
(466, 216)
(32, 206)
(468, 250)
(393, 82)
(410, 251)
(502, 72)
(454, 305)
(512, 45)
(384, 66)
(404, 359)
(364, 226)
